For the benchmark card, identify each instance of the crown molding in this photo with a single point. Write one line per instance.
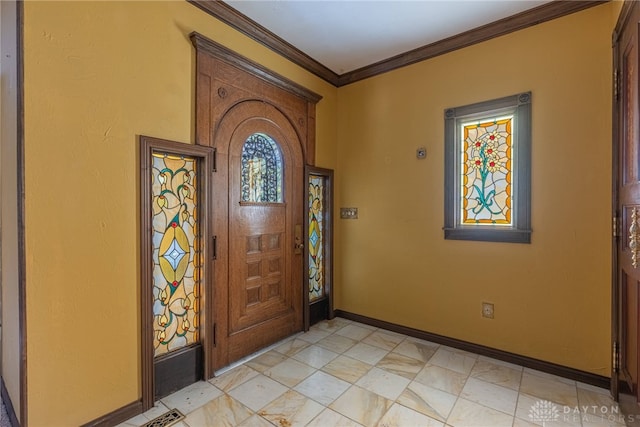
(520, 21)
(225, 13)
(257, 32)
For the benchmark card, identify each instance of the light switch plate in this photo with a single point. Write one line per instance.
(349, 213)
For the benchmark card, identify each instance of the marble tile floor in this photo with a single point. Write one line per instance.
(344, 373)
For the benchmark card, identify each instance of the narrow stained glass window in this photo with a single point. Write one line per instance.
(177, 254)
(316, 237)
(261, 170)
(486, 170)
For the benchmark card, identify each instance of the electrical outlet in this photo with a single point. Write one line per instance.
(487, 310)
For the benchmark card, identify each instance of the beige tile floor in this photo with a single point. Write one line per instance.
(343, 373)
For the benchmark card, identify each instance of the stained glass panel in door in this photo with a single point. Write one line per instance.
(177, 252)
(261, 170)
(316, 237)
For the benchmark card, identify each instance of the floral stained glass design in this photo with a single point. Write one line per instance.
(177, 254)
(261, 170)
(316, 237)
(486, 172)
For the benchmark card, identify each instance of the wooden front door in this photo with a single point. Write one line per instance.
(262, 127)
(261, 302)
(626, 296)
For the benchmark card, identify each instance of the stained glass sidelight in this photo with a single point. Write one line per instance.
(316, 237)
(261, 170)
(486, 172)
(177, 254)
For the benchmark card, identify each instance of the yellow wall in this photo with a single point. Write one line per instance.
(616, 6)
(97, 75)
(552, 297)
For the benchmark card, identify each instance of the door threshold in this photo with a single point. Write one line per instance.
(254, 355)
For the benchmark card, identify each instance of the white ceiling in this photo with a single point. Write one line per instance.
(350, 34)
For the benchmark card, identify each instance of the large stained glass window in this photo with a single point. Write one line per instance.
(177, 257)
(488, 170)
(261, 170)
(316, 237)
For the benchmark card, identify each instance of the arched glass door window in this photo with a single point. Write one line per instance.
(261, 170)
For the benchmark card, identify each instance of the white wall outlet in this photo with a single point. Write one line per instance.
(487, 310)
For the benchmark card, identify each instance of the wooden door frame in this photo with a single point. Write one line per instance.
(147, 146)
(217, 92)
(617, 338)
(206, 50)
(615, 215)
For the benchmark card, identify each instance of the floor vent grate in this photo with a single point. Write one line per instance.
(166, 419)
